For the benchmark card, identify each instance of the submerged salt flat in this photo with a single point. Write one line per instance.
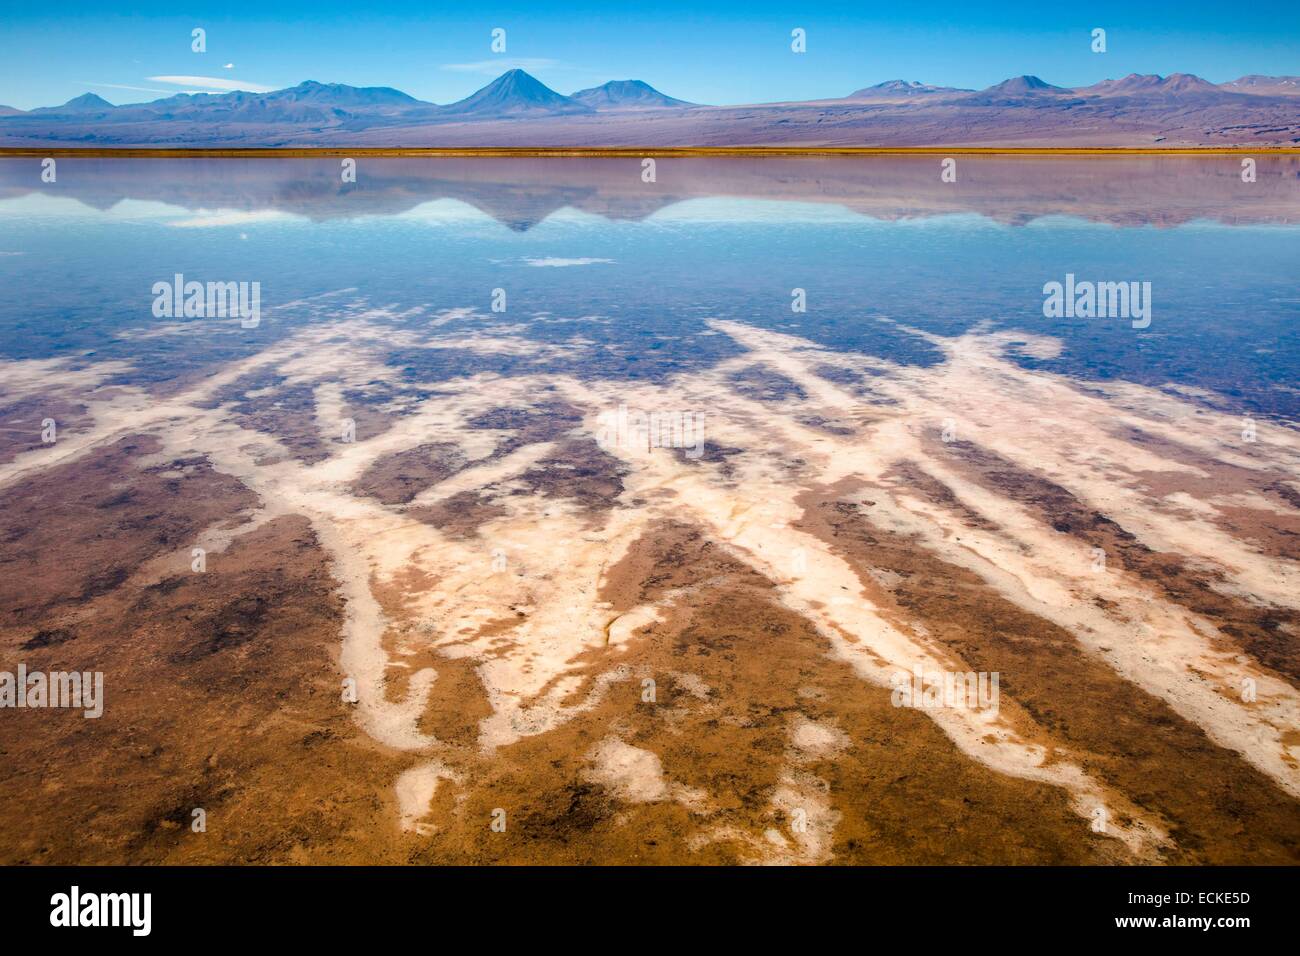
(429, 390)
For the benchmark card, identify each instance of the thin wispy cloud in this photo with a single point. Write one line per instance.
(499, 65)
(212, 83)
(137, 89)
(230, 217)
(556, 262)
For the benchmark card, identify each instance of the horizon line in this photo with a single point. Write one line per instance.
(620, 152)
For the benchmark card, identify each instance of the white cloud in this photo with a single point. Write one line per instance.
(558, 263)
(212, 83)
(499, 65)
(231, 217)
(229, 66)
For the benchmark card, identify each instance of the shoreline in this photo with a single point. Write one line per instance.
(326, 152)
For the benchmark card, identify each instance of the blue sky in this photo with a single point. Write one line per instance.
(709, 52)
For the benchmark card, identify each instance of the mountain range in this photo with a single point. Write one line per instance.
(516, 109)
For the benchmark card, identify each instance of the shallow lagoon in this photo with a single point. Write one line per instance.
(584, 248)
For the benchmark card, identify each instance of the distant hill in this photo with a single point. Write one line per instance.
(341, 95)
(1137, 84)
(85, 103)
(1023, 85)
(1264, 85)
(1019, 91)
(625, 94)
(515, 93)
(901, 89)
(309, 103)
